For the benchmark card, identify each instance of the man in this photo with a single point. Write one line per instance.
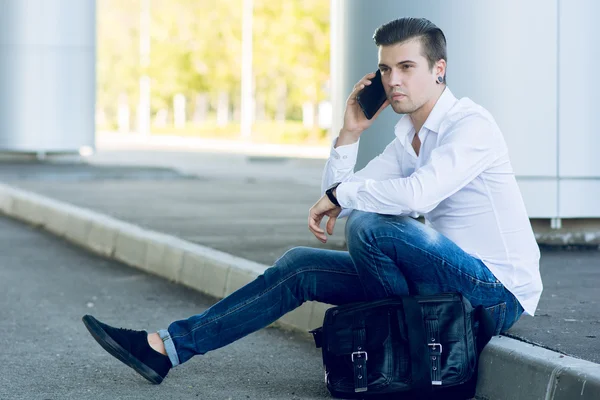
(448, 162)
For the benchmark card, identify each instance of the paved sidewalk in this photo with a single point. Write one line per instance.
(254, 218)
(259, 219)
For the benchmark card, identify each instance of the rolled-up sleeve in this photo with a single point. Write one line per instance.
(342, 160)
(340, 165)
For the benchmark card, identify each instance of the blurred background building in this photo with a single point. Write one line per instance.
(280, 71)
(47, 75)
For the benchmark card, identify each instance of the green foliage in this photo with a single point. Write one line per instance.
(286, 132)
(196, 48)
(291, 48)
(117, 51)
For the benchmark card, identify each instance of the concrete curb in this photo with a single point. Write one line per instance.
(510, 369)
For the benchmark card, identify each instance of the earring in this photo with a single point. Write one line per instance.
(440, 80)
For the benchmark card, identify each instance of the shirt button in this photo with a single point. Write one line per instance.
(336, 157)
(345, 157)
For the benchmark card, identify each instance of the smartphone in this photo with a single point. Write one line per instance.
(372, 97)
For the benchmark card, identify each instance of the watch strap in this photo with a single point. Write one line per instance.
(331, 196)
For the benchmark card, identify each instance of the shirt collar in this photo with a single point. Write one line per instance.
(435, 118)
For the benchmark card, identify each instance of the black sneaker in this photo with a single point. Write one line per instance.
(130, 347)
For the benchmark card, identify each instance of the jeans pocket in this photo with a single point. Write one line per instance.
(498, 313)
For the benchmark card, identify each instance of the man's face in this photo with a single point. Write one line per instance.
(406, 77)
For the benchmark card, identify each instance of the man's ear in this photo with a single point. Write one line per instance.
(440, 68)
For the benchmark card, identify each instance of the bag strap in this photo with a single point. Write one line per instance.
(417, 344)
(359, 358)
(486, 327)
(435, 349)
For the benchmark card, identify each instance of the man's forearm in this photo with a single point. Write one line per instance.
(346, 138)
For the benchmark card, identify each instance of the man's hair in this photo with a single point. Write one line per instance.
(433, 41)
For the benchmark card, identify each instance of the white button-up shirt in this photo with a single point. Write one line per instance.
(462, 182)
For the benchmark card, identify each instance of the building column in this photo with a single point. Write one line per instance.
(47, 75)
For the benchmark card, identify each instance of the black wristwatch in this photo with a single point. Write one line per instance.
(331, 196)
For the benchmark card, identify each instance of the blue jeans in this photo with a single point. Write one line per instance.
(387, 256)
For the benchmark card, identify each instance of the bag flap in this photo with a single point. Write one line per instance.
(450, 317)
(376, 321)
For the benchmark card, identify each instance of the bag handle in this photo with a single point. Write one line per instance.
(417, 343)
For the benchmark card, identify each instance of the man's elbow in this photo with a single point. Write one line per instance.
(422, 206)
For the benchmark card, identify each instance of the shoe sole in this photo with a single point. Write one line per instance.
(117, 351)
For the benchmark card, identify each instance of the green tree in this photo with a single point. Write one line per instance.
(117, 67)
(196, 47)
(291, 49)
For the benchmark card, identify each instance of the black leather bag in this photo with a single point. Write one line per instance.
(421, 347)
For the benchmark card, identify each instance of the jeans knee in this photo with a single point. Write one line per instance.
(294, 257)
(291, 272)
(357, 223)
(362, 227)
(290, 263)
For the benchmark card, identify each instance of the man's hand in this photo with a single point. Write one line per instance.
(355, 121)
(322, 208)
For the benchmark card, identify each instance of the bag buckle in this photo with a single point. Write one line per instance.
(433, 345)
(359, 354)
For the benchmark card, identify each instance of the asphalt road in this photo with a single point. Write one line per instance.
(47, 285)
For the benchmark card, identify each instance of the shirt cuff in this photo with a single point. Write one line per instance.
(346, 194)
(343, 157)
